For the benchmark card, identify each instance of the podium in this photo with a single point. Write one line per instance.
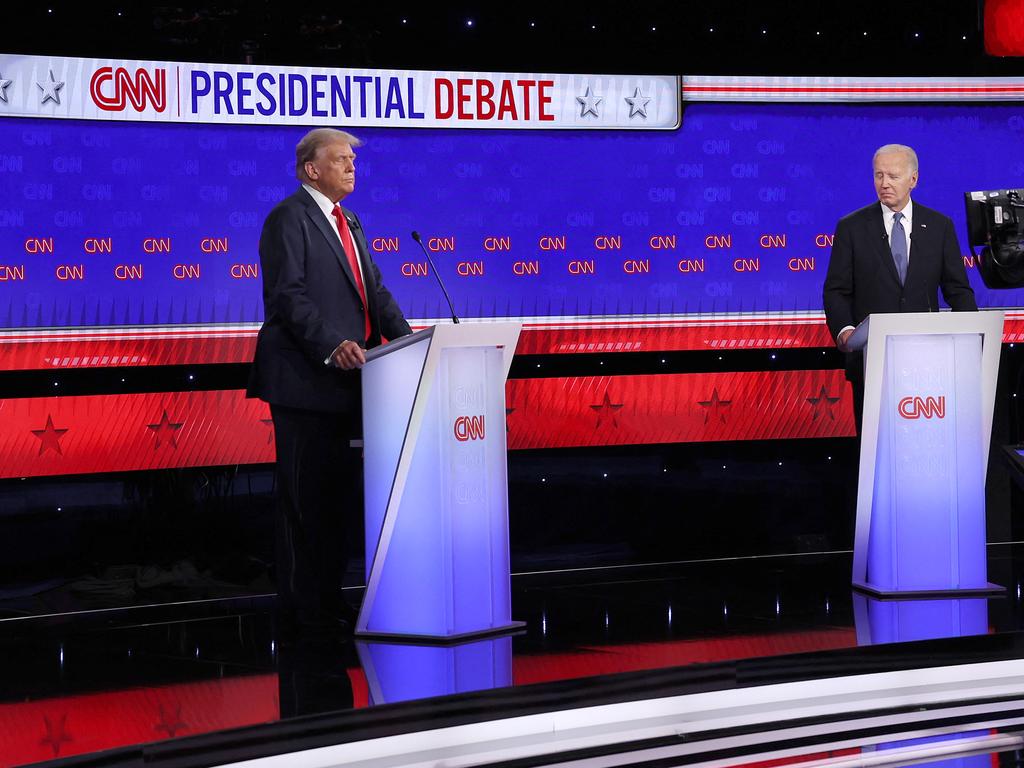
(435, 469)
(929, 392)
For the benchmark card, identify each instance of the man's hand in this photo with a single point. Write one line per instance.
(348, 355)
(842, 338)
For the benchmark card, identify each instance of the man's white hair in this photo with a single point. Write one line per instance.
(890, 149)
(313, 141)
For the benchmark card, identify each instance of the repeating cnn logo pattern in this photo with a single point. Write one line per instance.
(469, 428)
(112, 89)
(922, 407)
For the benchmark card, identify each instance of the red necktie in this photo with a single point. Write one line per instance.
(353, 260)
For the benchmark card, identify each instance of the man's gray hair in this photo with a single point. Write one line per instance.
(312, 142)
(890, 149)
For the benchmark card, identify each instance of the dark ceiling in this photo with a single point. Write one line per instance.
(914, 37)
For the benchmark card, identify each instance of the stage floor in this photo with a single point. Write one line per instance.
(90, 681)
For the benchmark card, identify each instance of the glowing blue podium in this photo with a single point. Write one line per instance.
(929, 392)
(435, 467)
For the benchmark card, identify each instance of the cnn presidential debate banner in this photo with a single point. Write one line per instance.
(608, 213)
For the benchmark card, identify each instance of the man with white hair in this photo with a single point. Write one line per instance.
(324, 304)
(891, 256)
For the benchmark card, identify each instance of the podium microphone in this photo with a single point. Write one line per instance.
(430, 261)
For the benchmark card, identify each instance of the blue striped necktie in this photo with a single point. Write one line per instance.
(898, 245)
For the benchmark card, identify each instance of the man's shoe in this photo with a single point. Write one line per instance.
(318, 622)
(348, 613)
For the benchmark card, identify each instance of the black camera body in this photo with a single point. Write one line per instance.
(995, 222)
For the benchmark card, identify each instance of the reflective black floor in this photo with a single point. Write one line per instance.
(75, 684)
(139, 608)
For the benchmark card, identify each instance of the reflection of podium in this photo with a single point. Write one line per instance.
(437, 559)
(929, 391)
(879, 620)
(885, 620)
(403, 672)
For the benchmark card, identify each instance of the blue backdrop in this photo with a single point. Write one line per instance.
(742, 175)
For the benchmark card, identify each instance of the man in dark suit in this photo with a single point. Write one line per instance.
(324, 303)
(891, 256)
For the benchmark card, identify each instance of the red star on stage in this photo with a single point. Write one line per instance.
(823, 404)
(166, 428)
(606, 409)
(49, 437)
(510, 409)
(714, 406)
(170, 722)
(56, 733)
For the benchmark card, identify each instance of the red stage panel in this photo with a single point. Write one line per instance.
(118, 433)
(678, 408)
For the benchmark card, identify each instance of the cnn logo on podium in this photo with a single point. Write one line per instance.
(922, 407)
(469, 428)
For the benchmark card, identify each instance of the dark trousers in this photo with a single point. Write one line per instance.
(318, 490)
(858, 400)
(855, 375)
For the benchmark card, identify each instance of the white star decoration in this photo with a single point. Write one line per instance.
(638, 104)
(3, 89)
(588, 103)
(51, 90)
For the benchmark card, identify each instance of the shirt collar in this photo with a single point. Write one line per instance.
(323, 202)
(908, 213)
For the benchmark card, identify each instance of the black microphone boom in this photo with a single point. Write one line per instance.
(430, 261)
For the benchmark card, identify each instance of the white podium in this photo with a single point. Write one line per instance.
(929, 392)
(435, 468)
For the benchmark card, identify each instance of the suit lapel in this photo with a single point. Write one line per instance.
(876, 233)
(327, 230)
(920, 241)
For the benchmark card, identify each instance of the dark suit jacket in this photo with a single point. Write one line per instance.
(862, 277)
(311, 304)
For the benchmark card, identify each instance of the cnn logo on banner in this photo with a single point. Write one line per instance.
(469, 428)
(112, 89)
(922, 407)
